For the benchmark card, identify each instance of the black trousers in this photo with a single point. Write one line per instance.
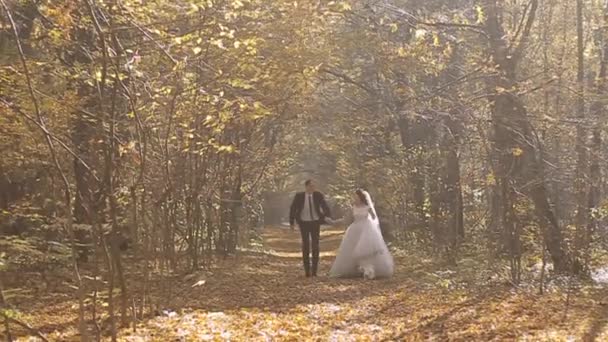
(310, 238)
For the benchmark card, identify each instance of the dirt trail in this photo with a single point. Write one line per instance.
(263, 296)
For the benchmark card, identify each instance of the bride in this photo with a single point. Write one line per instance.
(363, 250)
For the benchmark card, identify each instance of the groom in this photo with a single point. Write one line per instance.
(309, 210)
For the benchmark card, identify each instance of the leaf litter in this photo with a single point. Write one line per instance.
(263, 297)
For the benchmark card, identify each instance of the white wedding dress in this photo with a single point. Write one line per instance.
(363, 251)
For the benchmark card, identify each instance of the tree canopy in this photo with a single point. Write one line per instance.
(143, 140)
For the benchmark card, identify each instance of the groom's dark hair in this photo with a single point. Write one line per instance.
(308, 182)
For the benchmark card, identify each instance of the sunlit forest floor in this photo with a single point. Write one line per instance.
(262, 296)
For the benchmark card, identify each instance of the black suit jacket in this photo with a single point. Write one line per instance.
(319, 203)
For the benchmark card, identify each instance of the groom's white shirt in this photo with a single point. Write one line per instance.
(306, 211)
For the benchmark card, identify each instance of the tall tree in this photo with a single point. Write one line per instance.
(519, 161)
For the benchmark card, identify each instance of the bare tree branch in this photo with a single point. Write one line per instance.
(49, 141)
(24, 325)
(525, 37)
(348, 79)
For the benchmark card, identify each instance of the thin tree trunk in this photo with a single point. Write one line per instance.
(597, 108)
(581, 134)
(4, 306)
(67, 191)
(453, 181)
(557, 147)
(411, 131)
(516, 143)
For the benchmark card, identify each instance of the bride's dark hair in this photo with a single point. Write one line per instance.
(361, 196)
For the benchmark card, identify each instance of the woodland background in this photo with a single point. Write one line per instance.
(142, 140)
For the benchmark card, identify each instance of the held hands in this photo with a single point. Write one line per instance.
(332, 221)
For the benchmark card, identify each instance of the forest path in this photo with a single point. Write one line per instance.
(263, 296)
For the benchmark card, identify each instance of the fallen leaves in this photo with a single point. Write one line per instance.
(264, 297)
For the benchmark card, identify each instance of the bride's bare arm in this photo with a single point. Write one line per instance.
(350, 217)
(347, 219)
